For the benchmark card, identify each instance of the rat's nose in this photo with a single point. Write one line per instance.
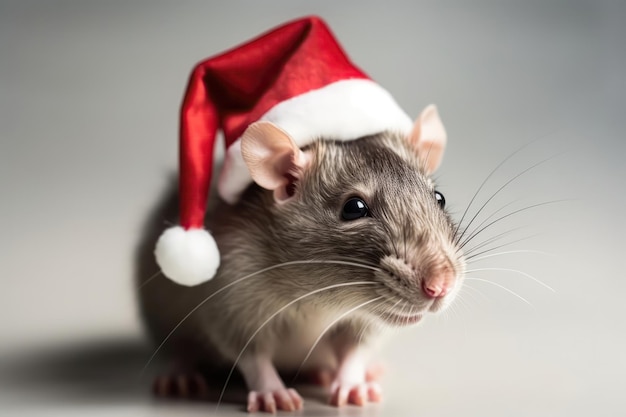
(438, 282)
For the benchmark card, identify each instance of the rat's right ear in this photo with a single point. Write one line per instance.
(429, 138)
(274, 160)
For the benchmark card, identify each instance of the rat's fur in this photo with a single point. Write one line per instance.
(406, 237)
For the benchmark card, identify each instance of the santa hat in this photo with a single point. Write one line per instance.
(296, 76)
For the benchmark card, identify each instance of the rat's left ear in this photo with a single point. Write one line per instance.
(429, 138)
(273, 158)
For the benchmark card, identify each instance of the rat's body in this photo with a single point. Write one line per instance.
(350, 276)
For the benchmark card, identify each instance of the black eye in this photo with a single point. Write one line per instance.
(354, 208)
(440, 199)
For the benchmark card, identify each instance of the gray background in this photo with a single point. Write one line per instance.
(89, 97)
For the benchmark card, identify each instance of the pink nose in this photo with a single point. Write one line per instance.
(438, 283)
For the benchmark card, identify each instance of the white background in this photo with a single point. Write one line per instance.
(89, 97)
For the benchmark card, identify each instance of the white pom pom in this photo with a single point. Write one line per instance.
(187, 257)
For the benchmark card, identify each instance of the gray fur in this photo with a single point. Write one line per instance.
(406, 236)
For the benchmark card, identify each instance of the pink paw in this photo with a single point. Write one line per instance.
(357, 394)
(192, 385)
(286, 399)
(324, 377)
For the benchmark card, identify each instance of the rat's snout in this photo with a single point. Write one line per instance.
(435, 278)
(439, 281)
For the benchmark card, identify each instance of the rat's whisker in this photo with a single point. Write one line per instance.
(465, 229)
(476, 233)
(388, 309)
(455, 308)
(368, 324)
(146, 282)
(501, 287)
(493, 171)
(476, 258)
(356, 260)
(467, 298)
(403, 316)
(469, 287)
(280, 310)
(538, 281)
(339, 262)
(501, 188)
(471, 251)
(237, 281)
(490, 240)
(319, 338)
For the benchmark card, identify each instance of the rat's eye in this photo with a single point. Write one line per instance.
(440, 199)
(354, 208)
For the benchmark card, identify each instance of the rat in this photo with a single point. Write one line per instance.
(331, 245)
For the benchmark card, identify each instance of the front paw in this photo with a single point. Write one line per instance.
(357, 394)
(286, 399)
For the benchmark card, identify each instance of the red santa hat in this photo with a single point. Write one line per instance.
(296, 76)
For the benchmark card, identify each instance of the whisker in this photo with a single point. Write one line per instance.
(463, 298)
(328, 328)
(490, 240)
(493, 214)
(474, 258)
(476, 233)
(493, 171)
(482, 294)
(361, 333)
(501, 287)
(405, 320)
(499, 246)
(237, 281)
(146, 282)
(516, 271)
(280, 310)
(454, 309)
(389, 310)
(501, 188)
(359, 261)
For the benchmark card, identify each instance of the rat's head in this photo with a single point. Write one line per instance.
(369, 201)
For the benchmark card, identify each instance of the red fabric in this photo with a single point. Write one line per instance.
(234, 89)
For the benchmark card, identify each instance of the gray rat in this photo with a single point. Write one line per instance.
(332, 244)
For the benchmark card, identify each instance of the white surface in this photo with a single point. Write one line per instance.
(88, 123)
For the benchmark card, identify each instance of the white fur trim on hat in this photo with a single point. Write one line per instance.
(187, 257)
(343, 110)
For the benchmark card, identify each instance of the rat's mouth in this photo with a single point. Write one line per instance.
(401, 319)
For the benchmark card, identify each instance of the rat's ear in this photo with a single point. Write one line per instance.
(429, 138)
(273, 158)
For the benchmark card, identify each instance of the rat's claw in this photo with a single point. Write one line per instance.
(253, 402)
(269, 402)
(296, 398)
(358, 394)
(374, 392)
(282, 399)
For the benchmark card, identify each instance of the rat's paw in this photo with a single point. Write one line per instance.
(192, 385)
(357, 394)
(286, 399)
